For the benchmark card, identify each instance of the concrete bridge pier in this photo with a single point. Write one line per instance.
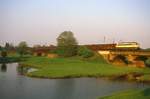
(131, 58)
(111, 57)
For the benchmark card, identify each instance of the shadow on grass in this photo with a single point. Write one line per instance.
(146, 92)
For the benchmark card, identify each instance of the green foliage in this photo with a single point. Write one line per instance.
(67, 44)
(67, 51)
(148, 62)
(85, 52)
(142, 58)
(130, 94)
(3, 53)
(97, 58)
(148, 49)
(22, 48)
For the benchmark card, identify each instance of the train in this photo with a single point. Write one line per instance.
(127, 46)
(121, 46)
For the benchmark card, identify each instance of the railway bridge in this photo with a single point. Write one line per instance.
(132, 56)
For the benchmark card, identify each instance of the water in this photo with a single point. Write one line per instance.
(16, 86)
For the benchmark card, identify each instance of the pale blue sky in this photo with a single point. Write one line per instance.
(41, 21)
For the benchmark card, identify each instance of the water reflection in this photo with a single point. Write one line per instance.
(21, 70)
(3, 68)
(64, 89)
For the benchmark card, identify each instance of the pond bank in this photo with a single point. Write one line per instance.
(9, 59)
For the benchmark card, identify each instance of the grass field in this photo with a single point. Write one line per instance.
(77, 67)
(130, 94)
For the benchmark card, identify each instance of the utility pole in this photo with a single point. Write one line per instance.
(104, 39)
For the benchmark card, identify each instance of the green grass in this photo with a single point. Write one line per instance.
(130, 94)
(77, 67)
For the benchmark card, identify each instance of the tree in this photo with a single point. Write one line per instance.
(22, 48)
(1, 48)
(6, 45)
(9, 46)
(67, 44)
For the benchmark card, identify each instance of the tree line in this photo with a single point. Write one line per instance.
(21, 48)
(67, 46)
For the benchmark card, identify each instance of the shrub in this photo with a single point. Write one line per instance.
(148, 62)
(85, 52)
(3, 53)
(142, 58)
(67, 51)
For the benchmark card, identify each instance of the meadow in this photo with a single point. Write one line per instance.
(78, 67)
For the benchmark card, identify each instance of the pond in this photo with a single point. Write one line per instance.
(13, 85)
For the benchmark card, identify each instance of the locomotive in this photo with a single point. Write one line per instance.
(127, 46)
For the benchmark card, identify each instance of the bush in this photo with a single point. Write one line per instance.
(67, 51)
(85, 52)
(3, 53)
(148, 62)
(142, 58)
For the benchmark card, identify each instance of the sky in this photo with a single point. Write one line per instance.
(41, 21)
